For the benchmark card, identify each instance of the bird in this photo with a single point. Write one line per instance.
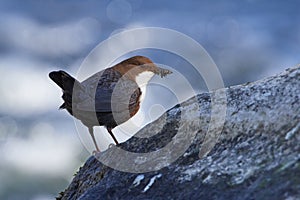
(109, 97)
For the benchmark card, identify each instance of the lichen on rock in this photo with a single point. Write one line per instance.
(255, 156)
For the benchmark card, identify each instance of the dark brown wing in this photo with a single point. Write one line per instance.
(113, 93)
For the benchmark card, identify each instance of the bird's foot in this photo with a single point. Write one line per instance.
(111, 145)
(96, 152)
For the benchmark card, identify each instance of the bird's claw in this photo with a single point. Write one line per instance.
(95, 152)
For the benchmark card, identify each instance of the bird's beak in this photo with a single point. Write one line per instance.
(157, 70)
(163, 72)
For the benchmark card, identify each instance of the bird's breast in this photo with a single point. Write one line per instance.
(142, 79)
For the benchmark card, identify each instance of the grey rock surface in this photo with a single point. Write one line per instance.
(254, 155)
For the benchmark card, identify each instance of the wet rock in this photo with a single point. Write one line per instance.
(255, 154)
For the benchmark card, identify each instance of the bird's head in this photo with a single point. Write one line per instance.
(138, 65)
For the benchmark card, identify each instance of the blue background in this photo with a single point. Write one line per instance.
(39, 147)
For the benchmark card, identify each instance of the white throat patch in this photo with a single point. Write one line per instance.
(142, 79)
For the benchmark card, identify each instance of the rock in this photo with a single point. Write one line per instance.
(255, 154)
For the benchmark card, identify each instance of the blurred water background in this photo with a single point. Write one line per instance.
(39, 146)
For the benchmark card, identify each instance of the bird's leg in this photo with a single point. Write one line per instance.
(94, 140)
(112, 135)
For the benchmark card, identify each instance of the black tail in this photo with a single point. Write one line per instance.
(66, 82)
(63, 79)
